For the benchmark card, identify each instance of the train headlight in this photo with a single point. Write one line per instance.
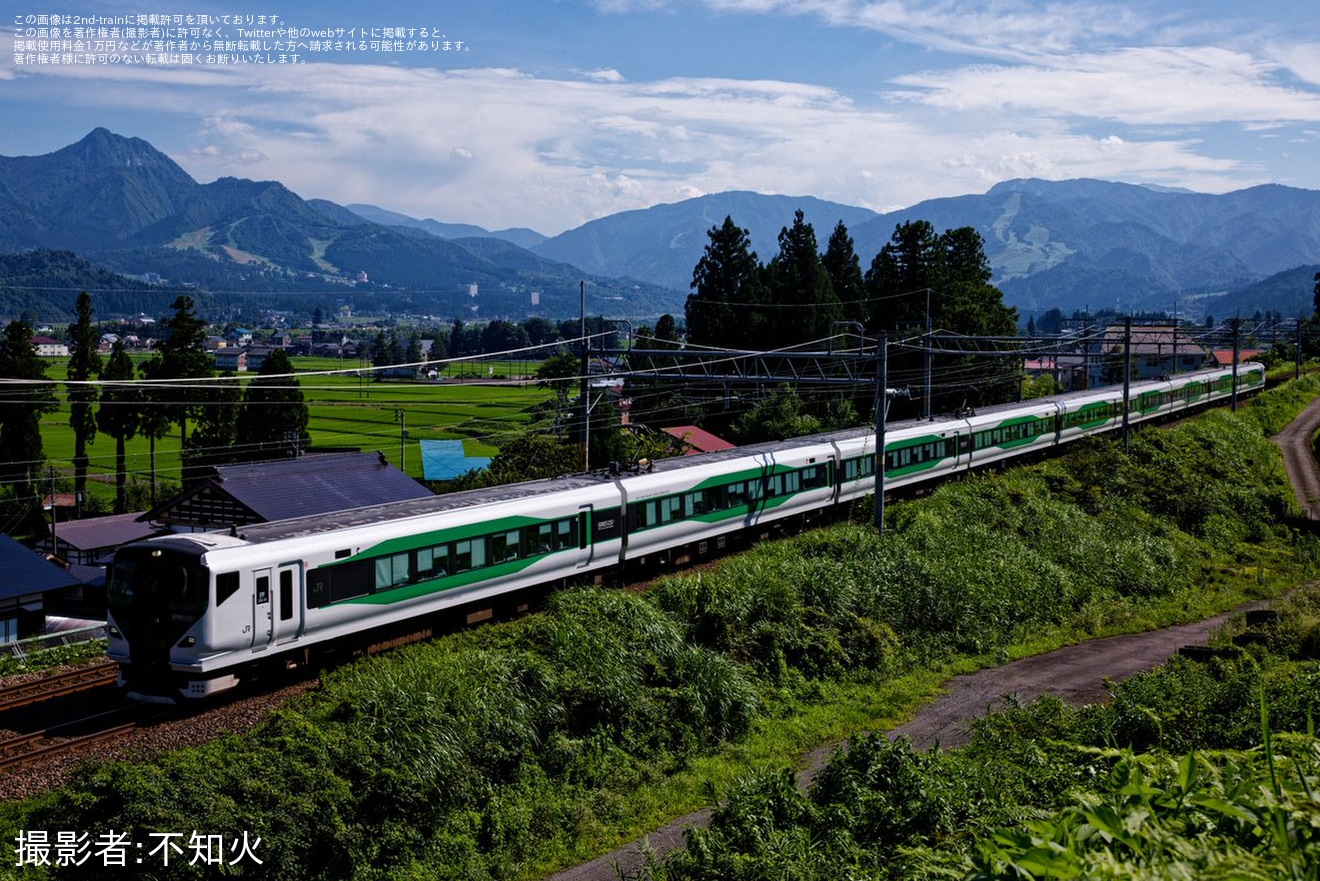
(114, 632)
(188, 642)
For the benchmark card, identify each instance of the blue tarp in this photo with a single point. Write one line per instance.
(445, 460)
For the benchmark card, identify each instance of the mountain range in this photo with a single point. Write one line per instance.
(126, 207)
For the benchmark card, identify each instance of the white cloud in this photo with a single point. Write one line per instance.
(1164, 86)
(1300, 59)
(501, 147)
(605, 75)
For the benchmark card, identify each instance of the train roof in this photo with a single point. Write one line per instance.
(367, 515)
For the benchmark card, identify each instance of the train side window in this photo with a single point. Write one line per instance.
(735, 494)
(540, 539)
(694, 504)
(286, 594)
(814, 477)
(391, 571)
(226, 585)
(504, 546)
(565, 533)
(469, 554)
(755, 490)
(432, 562)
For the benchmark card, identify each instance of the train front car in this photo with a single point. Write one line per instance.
(160, 595)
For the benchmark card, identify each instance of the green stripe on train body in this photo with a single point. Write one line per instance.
(1148, 402)
(897, 448)
(445, 536)
(1090, 416)
(385, 596)
(985, 438)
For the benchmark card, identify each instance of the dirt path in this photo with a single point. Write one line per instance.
(1076, 674)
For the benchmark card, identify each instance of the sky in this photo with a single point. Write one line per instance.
(550, 113)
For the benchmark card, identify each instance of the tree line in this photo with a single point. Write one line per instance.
(218, 421)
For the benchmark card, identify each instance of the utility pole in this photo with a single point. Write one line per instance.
(883, 396)
(401, 417)
(925, 406)
(585, 385)
(1127, 378)
(1237, 327)
(54, 513)
(881, 413)
(1297, 370)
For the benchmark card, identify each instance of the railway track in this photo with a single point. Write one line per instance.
(58, 685)
(52, 734)
(23, 750)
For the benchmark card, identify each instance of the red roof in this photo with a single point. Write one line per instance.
(698, 440)
(1224, 357)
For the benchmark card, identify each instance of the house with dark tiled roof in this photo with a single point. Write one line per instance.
(258, 492)
(1155, 350)
(93, 541)
(28, 578)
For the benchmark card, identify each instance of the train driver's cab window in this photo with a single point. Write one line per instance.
(226, 585)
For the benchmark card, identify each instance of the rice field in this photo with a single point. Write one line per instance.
(475, 402)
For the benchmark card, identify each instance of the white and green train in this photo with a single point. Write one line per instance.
(191, 615)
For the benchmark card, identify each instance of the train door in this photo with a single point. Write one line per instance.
(586, 547)
(287, 615)
(262, 621)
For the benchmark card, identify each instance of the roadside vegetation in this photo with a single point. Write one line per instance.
(510, 750)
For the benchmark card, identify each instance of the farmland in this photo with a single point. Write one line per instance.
(471, 401)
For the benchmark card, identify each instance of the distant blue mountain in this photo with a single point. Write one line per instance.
(126, 207)
(523, 238)
(1066, 244)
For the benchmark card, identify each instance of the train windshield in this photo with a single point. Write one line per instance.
(168, 581)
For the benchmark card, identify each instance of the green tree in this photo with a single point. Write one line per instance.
(781, 414)
(180, 355)
(921, 276)
(724, 309)
(804, 305)
(213, 439)
(901, 274)
(541, 331)
(666, 332)
(560, 371)
(21, 451)
(845, 272)
(504, 336)
(84, 364)
(119, 415)
(272, 421)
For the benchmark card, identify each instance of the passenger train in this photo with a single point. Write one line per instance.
(192, 615)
